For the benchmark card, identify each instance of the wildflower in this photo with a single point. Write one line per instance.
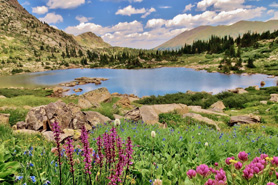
(86, 154)
(69, 153)
(233, 161)
(153, 134)
(31, 164)
(203, 170)
(227, 161)
(263, 156)
(18, 178)
(134, 182)
(117, 122)
(243, 156)
(220, 177)
(210, 182)
(271, 183)
(215, 164)
(33, 178)
(191, 174)
(47, 182)
(269, 159)
(157, 182)
(25, 183)
(248, 172)
(206, 144)
(238, 165)
(275, 161)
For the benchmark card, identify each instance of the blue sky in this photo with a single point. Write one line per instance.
(145, 23)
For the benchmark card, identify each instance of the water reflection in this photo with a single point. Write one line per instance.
(141, 82)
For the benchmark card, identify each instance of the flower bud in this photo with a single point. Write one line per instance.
(117, 122)
(153, 134)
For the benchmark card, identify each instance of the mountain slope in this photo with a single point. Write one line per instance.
(205, 32)
(90, 40)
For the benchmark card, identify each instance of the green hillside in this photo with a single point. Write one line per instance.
(205, 32)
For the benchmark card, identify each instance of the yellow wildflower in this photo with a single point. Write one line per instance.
(233, 161)
(133, 181)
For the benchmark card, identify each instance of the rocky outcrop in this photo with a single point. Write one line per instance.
(95, 97)
(68, 116)
(58, 92)
(198, 109)
(124, 103)
(238, 91)
(2, 97)
(150, 113)
(202, 119)
(245, 119)
(78, 90)
(4, 119)
(133, 114)
(83, 81)
(274, 97)
(84, 103)
(217, 106)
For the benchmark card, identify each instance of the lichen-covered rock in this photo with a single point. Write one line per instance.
(4, 119)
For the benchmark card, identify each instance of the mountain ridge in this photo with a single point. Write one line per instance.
(206, 31)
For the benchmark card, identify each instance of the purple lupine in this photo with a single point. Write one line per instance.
(107, 148)
(69, 153)
(129, 152)
(113, 137)
(115, 178)
(57, 131)
(86, 152)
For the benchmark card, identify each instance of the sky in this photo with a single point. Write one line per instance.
(145, 23)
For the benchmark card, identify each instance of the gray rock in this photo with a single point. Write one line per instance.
(95, 118)
(84, 103)
(202, 119)
(217, 106)
(97, 96)
(245, 119)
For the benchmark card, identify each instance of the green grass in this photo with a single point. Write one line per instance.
(9, 93)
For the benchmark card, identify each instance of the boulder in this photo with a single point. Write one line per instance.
(257, 88)
(4, 119)
(124, 103)
(150, 113)
(244, 119)
(69, 116)
(217, 106)
(95, 118)
(78, 90)
(133, 114)
(97, 96)
(198, 109)
(263, 102)
(57, 92)
(21, 125)
(241, 91)
(274, 97)
(49, 136)
(84, 103)
(202, 119)
(2, 97)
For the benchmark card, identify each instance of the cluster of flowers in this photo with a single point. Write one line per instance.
(113, 155)
(263, 165)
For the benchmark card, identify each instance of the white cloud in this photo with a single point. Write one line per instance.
(275, 17)
(154, 23)
(40, 10)
(148, 12)
(83, 18)
(64, 4)
(270, 12)
(131, 1)
(26, 3)
(274, 5)
(220, 4)
(165, 7)
(188, 7)
(52, 18)
(129, 10)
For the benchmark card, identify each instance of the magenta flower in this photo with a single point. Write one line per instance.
(220, 177)
(215, 164)
(129, 152)
(69, 153)
(227, 161)
(57, 131)
(213, 170)
(210, 182)
(243, 156)
(275, 161)
(238, 165)
(100, 155)
(191, 174)
(203, 170)
(86, 151)
(271, 183)
(248, 172)
(263, 156)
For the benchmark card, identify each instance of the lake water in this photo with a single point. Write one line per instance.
(141, 82)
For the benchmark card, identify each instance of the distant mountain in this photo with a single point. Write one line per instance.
(23, 35)
(205, 32)
(90, 40)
